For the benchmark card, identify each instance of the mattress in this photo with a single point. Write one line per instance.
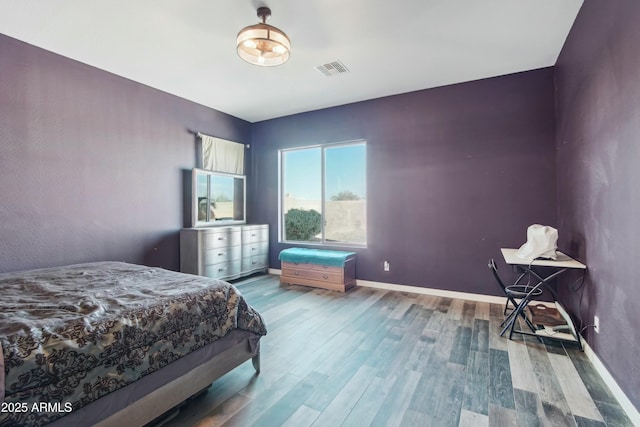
(71, 335)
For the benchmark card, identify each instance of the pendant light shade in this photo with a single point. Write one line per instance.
(263, 44)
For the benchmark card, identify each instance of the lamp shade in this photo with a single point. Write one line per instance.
(263, 44)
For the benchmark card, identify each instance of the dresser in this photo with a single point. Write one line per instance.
(226, 252)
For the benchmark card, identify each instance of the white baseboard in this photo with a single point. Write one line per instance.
(620, 395)
(427, 291)
(431, 291)
(622, 398)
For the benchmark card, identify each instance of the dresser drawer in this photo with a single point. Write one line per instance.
(313, 267)
(322, 276)
(255, 234)
(327, 268)
(221, 254)
(223, 269)
(256, 262)
(252, 249)
(222, 238)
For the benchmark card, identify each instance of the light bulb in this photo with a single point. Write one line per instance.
(250, 44)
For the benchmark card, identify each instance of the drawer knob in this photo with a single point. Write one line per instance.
(296, 273)
(325, 277)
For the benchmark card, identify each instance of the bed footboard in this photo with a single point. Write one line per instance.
(180, 389)
(145, 408)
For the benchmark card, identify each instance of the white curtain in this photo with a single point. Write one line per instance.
(221, 155)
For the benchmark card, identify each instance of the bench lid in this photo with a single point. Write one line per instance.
(315, 256)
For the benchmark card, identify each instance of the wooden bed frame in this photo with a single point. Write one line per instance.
(163, 399)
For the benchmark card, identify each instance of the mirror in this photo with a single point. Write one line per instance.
(218, 198)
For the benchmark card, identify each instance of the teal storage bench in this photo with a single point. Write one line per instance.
(333, 270)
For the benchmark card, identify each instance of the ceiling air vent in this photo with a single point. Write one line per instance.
(332, 68)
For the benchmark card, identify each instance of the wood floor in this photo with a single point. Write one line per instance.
(383, 358)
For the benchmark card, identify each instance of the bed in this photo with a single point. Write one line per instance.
(112, 343)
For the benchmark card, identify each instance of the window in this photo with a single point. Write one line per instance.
(323, 194)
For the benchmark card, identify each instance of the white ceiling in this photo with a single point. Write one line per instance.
(187, 47)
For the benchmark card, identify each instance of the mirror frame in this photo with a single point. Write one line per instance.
(195, 204)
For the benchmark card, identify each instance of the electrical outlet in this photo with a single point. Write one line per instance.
(387, 266)
(596, 324)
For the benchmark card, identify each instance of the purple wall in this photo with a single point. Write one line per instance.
(454, 173)
(91, 164)
(598, 140)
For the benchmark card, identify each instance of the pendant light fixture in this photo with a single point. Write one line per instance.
(263, 44)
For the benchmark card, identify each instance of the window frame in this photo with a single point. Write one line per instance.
(281, 193)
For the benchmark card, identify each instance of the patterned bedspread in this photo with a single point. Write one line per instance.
(73, 334)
